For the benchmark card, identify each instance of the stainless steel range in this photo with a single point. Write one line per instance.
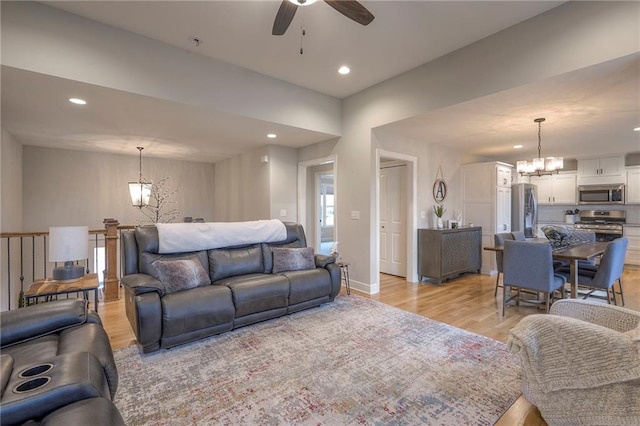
(607, 224)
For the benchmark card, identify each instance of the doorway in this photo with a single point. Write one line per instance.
(410, 206)
(393, 215)
(325, 209)
(317, 202)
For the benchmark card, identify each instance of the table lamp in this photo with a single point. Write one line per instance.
(67, 244)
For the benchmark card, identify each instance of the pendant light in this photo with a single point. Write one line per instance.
(540, 166)
(140, 191)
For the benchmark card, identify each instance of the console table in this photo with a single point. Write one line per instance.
(445, 253)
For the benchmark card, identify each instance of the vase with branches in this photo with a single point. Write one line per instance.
(160, 208)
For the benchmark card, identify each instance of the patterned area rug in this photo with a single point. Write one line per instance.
(353, 361)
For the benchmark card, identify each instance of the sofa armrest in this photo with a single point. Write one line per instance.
(565, 353)
(610, 316)
(322, 260)
(34, 321)
(143, 283)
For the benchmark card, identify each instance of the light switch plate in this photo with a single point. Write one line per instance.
(283, 213)
(355, 215)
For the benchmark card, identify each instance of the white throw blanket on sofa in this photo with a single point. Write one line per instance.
(185, 237)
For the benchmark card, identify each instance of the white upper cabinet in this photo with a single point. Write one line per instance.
(605, 170)
(503, 176)
(633, 186)
(556, 189)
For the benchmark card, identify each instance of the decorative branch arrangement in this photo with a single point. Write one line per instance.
(159, 209)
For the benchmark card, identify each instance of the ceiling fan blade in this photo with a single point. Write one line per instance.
(284, 17)
(352, 10)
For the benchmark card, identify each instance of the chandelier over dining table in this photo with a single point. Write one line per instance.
(540, 166)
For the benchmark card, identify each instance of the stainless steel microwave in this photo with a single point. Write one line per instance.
(601, 194)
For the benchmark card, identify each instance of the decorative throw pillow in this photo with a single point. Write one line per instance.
(292, 259)
(181, 274)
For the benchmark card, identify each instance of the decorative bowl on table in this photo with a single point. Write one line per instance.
(558, 235)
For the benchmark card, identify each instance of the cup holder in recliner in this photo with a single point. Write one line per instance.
(35, 370)
(31, 385)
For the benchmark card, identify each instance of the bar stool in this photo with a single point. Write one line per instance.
(344, 274)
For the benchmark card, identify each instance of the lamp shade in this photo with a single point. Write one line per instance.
(67, 243)
(140, 193)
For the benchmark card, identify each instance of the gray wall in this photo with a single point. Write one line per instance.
(65, 187)
(10, 184)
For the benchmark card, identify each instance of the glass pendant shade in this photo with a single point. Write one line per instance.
(140, 193)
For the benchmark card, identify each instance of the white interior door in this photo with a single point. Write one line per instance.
(393, 212)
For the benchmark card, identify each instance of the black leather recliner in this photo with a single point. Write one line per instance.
(56, 366)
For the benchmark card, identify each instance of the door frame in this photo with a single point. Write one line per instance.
(302, 191)
(411, 219)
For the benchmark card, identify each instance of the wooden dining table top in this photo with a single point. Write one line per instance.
(583, 251)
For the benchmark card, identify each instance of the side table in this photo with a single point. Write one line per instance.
(49, 287)
(344, 275)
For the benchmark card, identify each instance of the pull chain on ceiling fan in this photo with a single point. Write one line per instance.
(349, 8)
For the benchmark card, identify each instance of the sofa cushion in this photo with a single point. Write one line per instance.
(258, 292)
(231, 262)
(267, 253)
(146, 260)
(196, 309)
(181, 274)
(308, 284)
(292, 259)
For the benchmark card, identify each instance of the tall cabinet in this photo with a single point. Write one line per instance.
(486, 189)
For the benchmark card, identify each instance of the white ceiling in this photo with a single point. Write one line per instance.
(598, 106)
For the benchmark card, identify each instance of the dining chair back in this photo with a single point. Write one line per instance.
(528, 265)
(498, 240)
(605, 275)
(518, 236)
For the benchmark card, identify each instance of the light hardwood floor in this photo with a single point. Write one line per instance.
(467, 302)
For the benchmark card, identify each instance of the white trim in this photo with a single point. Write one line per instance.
(412, 223)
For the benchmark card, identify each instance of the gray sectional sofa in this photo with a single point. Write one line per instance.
(176, 298)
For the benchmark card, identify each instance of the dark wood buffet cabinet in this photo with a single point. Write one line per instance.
(445, 253)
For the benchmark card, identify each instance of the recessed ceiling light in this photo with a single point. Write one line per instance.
(637, 129)
(344, 70)
(77, 101)
(517, 146)
(272, 136)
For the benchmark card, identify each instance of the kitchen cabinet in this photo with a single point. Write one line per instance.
(486, 202)
(633, 186)
(633, 249)
(556, 189)
(444, 253)
(604, 170)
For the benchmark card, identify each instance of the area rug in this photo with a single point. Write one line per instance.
(350, 362)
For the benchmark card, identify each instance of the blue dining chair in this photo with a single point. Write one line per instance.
(529, 266)
(498, 240)
(604, 275)
(518, 236)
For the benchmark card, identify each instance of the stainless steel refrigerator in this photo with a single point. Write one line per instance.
(524, 208)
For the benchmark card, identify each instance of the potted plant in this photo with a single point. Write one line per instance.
(439, 211)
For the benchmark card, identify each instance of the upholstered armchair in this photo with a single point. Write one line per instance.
(581, 364)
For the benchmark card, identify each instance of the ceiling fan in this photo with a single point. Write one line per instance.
(349, 8)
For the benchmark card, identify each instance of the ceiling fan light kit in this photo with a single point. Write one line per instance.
(540, 166)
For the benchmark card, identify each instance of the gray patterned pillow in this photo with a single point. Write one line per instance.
(181, 274)
(292, 259)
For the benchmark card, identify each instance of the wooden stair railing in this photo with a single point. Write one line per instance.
(23, 259)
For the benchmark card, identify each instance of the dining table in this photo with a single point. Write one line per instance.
(572, 253)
